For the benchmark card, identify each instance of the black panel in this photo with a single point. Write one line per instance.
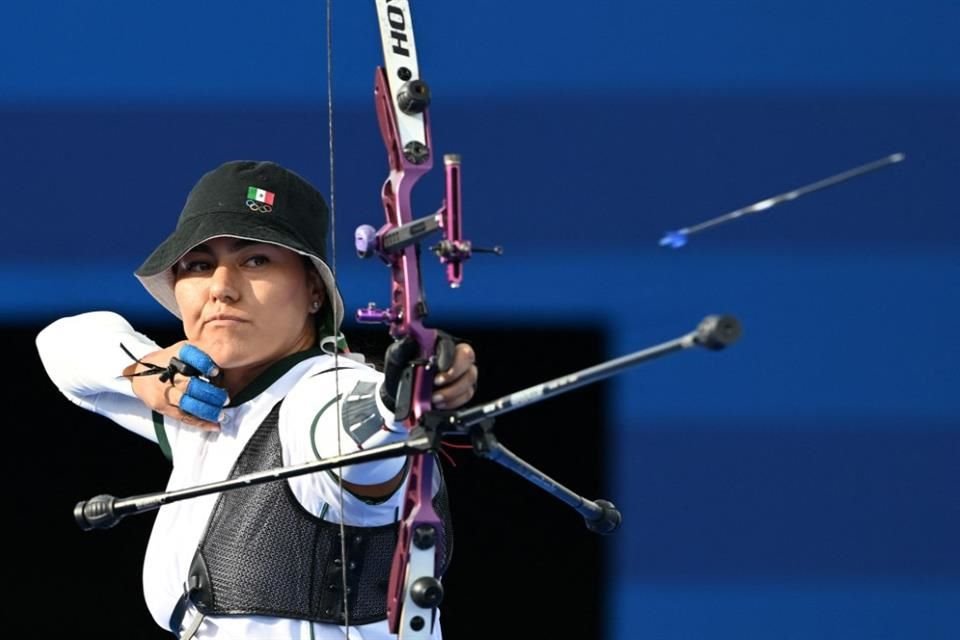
(520, 554)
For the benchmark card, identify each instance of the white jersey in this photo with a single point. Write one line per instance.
(83, 357)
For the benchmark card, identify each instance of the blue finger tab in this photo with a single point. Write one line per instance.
(206, 392)
(199, 360)
(202, 410)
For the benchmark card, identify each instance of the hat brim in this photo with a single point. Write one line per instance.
(156, 273)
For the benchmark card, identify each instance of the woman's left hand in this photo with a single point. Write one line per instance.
(455, 387)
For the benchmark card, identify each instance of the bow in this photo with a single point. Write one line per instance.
(414, 590)
(402, 99)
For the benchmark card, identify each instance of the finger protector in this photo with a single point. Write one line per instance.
(206, 392)
(200, 409)
(199, 360)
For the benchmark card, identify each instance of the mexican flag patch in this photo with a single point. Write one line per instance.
(260, 195)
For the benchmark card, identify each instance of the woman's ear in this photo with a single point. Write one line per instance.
(316, 289)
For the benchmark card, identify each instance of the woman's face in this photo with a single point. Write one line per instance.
(246, 303)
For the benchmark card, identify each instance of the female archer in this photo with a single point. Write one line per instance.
(245, 271)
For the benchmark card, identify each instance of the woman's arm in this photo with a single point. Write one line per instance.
(84, 358)
(315, 427)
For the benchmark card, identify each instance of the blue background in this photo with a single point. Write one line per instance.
(803, 484)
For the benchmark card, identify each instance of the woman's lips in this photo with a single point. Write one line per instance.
(224, 319)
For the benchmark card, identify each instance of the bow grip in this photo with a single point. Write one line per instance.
(401, 356)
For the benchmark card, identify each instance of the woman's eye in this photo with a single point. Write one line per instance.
(256, 261)
(195, 266)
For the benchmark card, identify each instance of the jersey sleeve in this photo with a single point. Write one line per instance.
(84, 358)
(315, 426)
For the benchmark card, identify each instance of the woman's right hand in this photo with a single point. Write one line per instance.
(165, 397)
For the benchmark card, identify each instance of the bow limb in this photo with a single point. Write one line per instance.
(401, 101)
(414, 590)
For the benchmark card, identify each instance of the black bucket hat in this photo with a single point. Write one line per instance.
(252, 200)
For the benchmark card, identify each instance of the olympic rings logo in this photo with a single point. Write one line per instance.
(259, 208)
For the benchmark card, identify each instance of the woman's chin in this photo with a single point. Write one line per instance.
(228, 356)
(235, 355)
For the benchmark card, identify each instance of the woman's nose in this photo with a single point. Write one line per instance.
(223, 284)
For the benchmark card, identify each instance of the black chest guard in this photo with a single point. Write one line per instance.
(264, 554)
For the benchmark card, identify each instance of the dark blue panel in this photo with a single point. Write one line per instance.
(787, 500)
(240, 50)
(904, 610)
(109, 183)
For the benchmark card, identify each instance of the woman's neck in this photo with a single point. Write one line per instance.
(237, 379)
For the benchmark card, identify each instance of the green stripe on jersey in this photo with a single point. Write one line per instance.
(162, 440)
